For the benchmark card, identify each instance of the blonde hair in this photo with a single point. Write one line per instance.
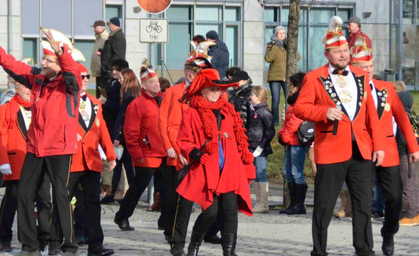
(261, 93)
(399, 86)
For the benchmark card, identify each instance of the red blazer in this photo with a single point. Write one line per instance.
(87, 156)
(389, 105)
(13, 142)
(142, 137)
(203, 181)
(290, 127)
(53, 130)
(312, 105)
(171, 94)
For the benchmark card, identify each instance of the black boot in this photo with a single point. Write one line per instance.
(233, 252)
(228, 244)
(196, 240)
(293, 198)
(299, 207)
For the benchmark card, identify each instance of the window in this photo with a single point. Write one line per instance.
(59, 20)
(186, 21)
(86, 47)
(313, 24)
(79, 31)
(85, 14)
(30, 18)
(30, 49)
(114, 11)
(408, 10)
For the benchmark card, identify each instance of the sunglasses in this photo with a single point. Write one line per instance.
(85, 76)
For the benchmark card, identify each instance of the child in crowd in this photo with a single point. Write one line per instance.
(260, 131)
(295, 153)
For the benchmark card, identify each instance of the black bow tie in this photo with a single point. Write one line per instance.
(83, 97)
(342, 73)
(27, 108)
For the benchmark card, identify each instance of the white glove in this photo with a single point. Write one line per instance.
(119, 150)
(258, 151)
(5, 169)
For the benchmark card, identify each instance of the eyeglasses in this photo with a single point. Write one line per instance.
(48, 60)
(85, 76)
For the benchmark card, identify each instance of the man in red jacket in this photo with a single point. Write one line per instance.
(52, 137)
(15, 118)
(144, 143)
(388, 106)
(337, 98)
(86, 166)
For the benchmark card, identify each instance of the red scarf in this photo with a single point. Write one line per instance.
(209, 123)
(13, 107)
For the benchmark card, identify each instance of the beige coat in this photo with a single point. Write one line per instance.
(277, 58)
(95, 59)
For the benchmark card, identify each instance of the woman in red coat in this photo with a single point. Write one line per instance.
(212, 138)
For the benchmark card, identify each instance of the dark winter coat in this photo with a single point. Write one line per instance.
(260, 128)
(112, 104)
(220, 57)
(118, 129)
(239, 97)
(114, 49)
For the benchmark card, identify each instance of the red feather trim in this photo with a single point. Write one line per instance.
(209, 124)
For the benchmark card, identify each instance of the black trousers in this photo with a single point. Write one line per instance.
(43, 206)
(80, 214)
(90, 182)
(139, 183)
(328, 183)
(58, 169)
(391, 182)
(129, 170)
(226, 206)
(180, 219)
(164, 183)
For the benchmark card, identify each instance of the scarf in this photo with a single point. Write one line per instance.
(209, 123)
(13, 107)
(293, 98)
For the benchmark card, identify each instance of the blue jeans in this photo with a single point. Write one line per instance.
(260, 163)
(275, 87)
(377, 196)
(295, 157)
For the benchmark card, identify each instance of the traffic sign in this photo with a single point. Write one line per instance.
(154, 31)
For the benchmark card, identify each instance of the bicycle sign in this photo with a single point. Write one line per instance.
(154, 31)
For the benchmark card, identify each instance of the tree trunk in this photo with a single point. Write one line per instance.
(292, 61)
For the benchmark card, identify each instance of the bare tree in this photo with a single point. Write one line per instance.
(292, 45)
(292, 60)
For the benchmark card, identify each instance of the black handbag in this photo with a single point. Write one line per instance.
(305, 133)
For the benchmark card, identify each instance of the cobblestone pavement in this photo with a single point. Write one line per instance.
(262, 234)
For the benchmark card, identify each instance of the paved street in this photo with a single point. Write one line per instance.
(262, 234)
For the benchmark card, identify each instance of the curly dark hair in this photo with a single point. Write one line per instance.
(297, 79)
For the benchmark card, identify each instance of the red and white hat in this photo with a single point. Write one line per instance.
(360, 51)
(61, 40)
(334, 37)
(146, 71)
(199, 55)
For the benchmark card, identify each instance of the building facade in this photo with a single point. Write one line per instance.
(244, 25)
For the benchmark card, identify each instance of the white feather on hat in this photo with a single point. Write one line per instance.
(28, 61)
(334, 25)
(59, 37)
(77, 55)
